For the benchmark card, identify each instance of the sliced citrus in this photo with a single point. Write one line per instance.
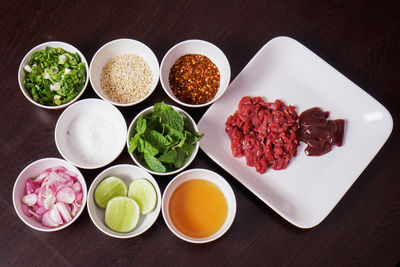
(109, 188)
(142, 190)
(122, 214)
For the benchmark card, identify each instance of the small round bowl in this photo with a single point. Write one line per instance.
(90, 133)
(127, 173)
(116, 48)
(33, 170)
(209, 176)
(195, 47)
(27, 58)
(132, 131)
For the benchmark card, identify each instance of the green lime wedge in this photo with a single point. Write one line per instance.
(144, 193)
(109, 188)
(122, 214)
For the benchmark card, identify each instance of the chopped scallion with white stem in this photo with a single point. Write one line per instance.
(28, 68)
(61, 59)
(45, 76)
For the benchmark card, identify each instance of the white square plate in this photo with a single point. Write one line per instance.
(310, 187)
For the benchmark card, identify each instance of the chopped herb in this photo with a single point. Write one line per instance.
(54, 76)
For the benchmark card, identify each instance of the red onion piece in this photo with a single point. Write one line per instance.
(66, 195)
(65, 213)
(36, 216)
(49, 201)
(72, 174)
(29, 200)
(59, 168)
(30, 186)
(75, 208)
(41, 176)
(25, 210)
(78, 197)
(40, 211)
(52, 218)
(77, 187)
(67, 178)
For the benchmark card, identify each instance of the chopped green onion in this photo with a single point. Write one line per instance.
(54, 76)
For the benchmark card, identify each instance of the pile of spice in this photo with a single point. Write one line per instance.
(194, 79)
(126, 78)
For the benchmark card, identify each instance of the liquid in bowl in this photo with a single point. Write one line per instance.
(198, 208)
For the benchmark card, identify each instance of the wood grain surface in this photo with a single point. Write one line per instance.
(360, 38)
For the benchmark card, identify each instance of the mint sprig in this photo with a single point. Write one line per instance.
(163, 140)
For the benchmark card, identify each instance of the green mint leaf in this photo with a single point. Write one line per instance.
(168, 157)
(153, 163)
(153, 123)
(157, 140)
(187, 124)
(160, 107)
(180, 158)
(140, 145)
(193, 138)
(174, 119)
(150, 149)
(140, 125)
(188, 148)
(133, 142)
(165, 114)
(175, 134)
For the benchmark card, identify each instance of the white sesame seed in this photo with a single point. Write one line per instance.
(126, 78)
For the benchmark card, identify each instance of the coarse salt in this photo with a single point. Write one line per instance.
(93, 138)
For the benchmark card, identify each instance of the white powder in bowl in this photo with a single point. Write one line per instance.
(93, 139)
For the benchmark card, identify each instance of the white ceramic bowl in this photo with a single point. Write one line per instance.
(27, 58)
(195, 47)
(132, 131)
(212, 177)
(33, 170)
(90, 133)
(116, 48)
(127, 173)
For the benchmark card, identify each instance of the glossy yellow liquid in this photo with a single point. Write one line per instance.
(198, 208)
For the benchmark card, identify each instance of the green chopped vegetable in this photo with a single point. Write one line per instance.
(54, 76)
(163, 140)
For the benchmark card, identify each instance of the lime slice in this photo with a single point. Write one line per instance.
(144, 193)
(122, 214)
(109, 188)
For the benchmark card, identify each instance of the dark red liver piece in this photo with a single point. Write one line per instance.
(318, 132)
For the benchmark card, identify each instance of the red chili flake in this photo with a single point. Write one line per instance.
(265, 133)
(194, 79)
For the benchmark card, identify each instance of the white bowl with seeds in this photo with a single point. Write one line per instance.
(124, 72)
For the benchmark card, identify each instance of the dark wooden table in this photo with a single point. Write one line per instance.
(360, 38)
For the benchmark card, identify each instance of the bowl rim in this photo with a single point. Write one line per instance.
(135, 42)
(29, 54)
(172, 96)
(217, 180)
(83, 203)
(92, 189)
(189, 161)
(56, 139)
